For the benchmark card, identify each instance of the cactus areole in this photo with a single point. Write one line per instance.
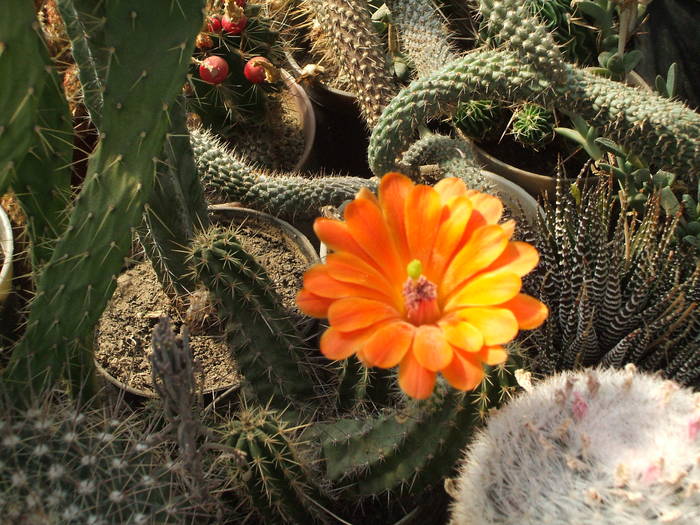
(256, 70)
(213, 70)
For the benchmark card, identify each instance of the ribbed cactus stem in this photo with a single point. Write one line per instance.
(424, 35)
(597, 446)
(512, 23)
(661, 132)
(229, 178)
(266, 344)
(348, 27)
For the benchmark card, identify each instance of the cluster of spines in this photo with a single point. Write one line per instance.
(618, 291)
(274, 482)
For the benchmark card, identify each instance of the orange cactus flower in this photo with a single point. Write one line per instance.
(424, 278)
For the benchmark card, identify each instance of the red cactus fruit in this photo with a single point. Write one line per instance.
(234, 27)
(213, 70)
(256, 68)
(213, 24)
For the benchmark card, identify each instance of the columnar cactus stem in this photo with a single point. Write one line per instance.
(348, 26)
(150, 45)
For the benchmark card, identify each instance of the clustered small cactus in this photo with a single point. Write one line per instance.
(63, 463)
(596, 446)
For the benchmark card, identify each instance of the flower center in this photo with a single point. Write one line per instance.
(420, 296)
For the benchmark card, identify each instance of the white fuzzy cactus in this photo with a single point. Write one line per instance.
(594, 447)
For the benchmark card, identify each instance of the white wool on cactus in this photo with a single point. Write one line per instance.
(597, 446)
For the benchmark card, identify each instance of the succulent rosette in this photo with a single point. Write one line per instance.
(423, 278)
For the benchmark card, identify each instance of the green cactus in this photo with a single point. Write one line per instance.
(596, 446)
(664, 133)
(424, 36)
(146, 62)
(347, 26)
(275, 483)
(229, 178)
(479, 119)
(532, 125)
(61, 462)
(618, 289)
(266, 344)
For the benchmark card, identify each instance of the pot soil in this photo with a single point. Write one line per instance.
(123, 336)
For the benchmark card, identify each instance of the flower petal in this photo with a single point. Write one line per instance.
(341, 345)
(318, 281)
(485, 245)
(493, 355)
(423, 211)
(415, 380)
(366, 224)
(462, 335)
(449, 236)
(313, 305)
(355, 313)
(393, 191)
(488, 206)
(336, 235)
(366, 193)
(486, 289)
(518, 257)
(529, 312)
(431, 348)
(348, 268)
(463, 373)
(388, 344)
(450, 187)
(497, 325)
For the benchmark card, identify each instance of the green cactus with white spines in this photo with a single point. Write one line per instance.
(146, 62)
(227, 177)
(664, 133)
(352, 40)
(595, 446)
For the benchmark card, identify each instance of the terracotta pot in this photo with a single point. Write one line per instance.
(536, 184)
(230, 214)
(7, 249)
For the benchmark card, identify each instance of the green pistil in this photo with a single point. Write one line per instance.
(414, 269)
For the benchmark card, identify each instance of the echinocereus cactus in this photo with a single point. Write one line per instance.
(600, 446)
(423, 278)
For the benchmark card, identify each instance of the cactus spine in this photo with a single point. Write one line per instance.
(601, 446)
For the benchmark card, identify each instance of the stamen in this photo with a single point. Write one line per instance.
(420, 299)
